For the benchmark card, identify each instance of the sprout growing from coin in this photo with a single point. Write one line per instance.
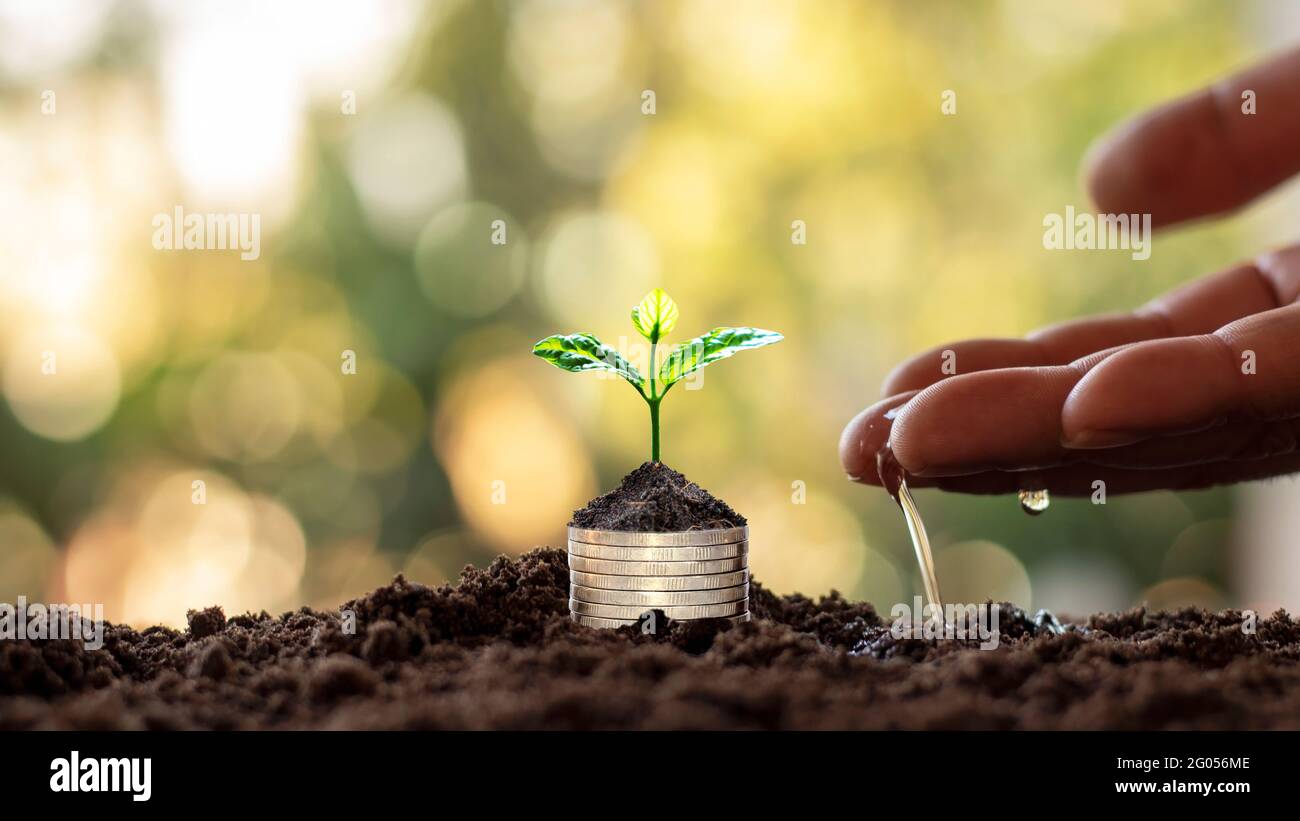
(654, 317)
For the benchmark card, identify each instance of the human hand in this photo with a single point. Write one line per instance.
(1200, 386)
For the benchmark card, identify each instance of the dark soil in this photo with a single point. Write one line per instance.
(656, 498)
(498, 651)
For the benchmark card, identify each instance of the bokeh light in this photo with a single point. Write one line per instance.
(61, 382)
(810, 547)
(440, 184)
(1172, 594)
(470, 259)
(976, 571)
(1075, 585)
(30, 556)
(517, 468)
(407, 159)
(579, 252)
(169, 539)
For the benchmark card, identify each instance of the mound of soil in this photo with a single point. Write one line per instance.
(656, 498)
(497, 650)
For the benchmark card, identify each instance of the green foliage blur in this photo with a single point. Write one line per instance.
(612, 147)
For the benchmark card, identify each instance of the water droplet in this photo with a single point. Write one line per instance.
(1034, 502)
(1044, 620)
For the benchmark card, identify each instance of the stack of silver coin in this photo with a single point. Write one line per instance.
(617, 577)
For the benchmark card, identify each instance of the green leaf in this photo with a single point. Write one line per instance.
(703, 351)
(656, 315)
(584, 352)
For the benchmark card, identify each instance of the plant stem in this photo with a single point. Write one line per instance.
(654, 431)
(654, 409)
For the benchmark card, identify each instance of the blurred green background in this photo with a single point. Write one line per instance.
(379, 143)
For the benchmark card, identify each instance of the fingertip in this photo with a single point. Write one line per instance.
(1108, 173)
(889, 387)
(865, 435)
(935, 364)
(914, 373)
(903, 379)
(851, 449)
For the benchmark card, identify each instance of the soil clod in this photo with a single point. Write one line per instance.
(207, 622)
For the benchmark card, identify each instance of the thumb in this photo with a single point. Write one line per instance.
(1207, 153)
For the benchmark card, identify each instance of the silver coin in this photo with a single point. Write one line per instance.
(681, 538)
(658, 554)
(617, 568)
(709, 582)
(661, 598)
(597, 621)
(686, 611)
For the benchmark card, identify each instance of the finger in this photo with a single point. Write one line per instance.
(1199, 307)
(991, 420)
(865, 435)
(1082, 479)
(1022, 418)
(1245, 370)
(1202, 154)
(1245, 442)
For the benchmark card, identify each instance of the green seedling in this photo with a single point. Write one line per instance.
(653, 317)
